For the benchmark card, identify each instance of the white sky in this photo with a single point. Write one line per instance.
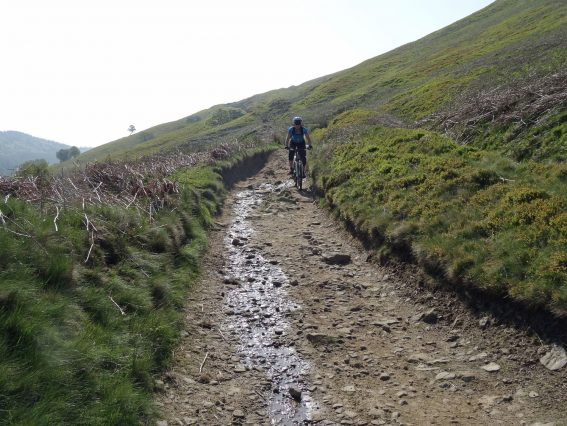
(81, 72)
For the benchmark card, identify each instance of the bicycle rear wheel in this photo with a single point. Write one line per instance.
(299, 175)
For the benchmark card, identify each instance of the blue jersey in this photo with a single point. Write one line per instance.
(297, 138)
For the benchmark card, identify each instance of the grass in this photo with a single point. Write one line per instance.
(465, 214)
(81, 342)
(490, 214)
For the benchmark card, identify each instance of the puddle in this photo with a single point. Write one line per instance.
(260, 306)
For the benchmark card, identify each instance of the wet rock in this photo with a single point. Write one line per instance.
(239, 368)
(376, 412)
(445, 375)
(452, 338)
(295, 394)
(430, 317)
(555, 359)
(481, 355)
(484, 322)
(419, 357)
(321, 339)
(350, 414)
(466, 376)
(349, 389)
(238, 414)
(337, 259)
(491, 367)
(231, 281)
(236, 242)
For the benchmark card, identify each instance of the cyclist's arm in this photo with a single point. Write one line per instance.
(309, 139)
(287, 141)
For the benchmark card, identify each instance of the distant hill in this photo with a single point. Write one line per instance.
(18, 147)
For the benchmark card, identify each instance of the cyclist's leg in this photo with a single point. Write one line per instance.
(290, 158)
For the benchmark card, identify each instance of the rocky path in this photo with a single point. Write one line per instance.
(291, 324)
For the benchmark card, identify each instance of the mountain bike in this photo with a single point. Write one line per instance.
(298, 169)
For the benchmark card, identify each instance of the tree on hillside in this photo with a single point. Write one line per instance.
(131, 128)
(66, 154)
(62, 155)
(74, 152)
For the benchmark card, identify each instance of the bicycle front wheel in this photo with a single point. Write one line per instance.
(299, 175)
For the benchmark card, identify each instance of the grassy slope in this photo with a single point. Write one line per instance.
(472, 214)
(67, 353)
(213, 125)
(469, 215)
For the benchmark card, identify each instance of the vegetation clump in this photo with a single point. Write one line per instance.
(465, 214)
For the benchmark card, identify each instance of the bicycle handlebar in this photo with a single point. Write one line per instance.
(293, 149)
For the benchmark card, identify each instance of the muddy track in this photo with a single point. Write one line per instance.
(290, 324)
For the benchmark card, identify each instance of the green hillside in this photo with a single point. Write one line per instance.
(448, 152)
(500, 45)
(488, 93)
(472, 185)
(215, 125)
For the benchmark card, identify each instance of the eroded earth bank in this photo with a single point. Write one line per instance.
(292, 324)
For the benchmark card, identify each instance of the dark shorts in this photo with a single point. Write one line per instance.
(302, 152)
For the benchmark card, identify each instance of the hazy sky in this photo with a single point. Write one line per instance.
(81, 72)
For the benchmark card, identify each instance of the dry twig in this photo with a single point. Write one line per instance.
(55, 220)
(116, 304)
(203, 363)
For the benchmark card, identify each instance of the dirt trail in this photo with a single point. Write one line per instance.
(291, 325)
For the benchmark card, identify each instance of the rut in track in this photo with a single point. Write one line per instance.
(290, 324)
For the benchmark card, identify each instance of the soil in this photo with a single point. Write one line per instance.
(292, 323)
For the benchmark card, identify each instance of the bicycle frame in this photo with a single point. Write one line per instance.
(298, 169)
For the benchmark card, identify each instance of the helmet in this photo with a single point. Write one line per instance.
(297, 120)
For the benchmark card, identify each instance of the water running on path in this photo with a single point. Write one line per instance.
(262, 303)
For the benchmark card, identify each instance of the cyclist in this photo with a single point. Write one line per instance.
(295, 139)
